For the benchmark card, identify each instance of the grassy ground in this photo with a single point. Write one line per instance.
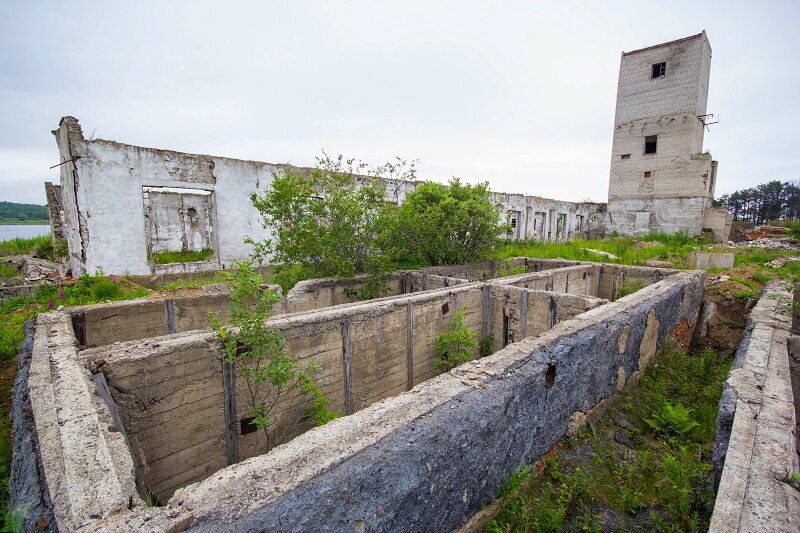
(628, 250)
(21, 245)
(24, 222)
(642, 467)
(181, 256)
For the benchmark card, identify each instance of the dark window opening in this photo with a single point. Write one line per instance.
(445, 308)
(650, 143)
(660, 69)
(647, 174)
(625, 156)
(246, 425)
(513, 223)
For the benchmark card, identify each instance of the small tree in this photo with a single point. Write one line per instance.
(259, 356)
(455, 346)
(324, 223)
(442, 225)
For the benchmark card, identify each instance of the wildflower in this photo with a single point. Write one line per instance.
(113, 278)
(62, 295)
(51, 305)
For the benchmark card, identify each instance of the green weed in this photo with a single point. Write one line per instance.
(181, 256)
(673, 421)
(20, 245)
(663, 476)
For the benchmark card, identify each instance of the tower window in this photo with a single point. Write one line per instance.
(647, 174)
(659, 70)
(625, 156)
(650, 144)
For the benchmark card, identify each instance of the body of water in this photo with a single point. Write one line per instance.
(11, 231)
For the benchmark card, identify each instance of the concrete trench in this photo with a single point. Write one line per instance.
(416, 451)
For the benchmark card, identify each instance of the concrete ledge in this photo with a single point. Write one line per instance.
(754, 491)
(88, 468)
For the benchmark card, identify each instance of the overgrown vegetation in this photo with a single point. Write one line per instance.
(442, 225)
(644, 466)
(181, 256)
(456, 345)
(259, 356)
(628, 250)
(21, 245)
(332, 222)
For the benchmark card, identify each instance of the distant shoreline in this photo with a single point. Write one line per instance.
(24, 222)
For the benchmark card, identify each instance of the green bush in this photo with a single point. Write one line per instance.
(455, 346)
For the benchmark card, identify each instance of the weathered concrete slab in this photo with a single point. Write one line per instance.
(756, 426)
(708, 260)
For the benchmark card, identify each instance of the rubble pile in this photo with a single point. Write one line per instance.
(773, 243)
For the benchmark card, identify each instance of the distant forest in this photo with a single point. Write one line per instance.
(774, 200)
(14, 212)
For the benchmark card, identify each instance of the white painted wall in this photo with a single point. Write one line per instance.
(102, 192)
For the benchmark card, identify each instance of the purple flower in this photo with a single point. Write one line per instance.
(50, 305)
(62, 295)
(113, 278)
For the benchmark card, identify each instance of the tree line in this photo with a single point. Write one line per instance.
(774, 200)
(12, 211)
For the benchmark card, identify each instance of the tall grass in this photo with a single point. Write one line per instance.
(20, 245)
(668, 248)
(181, 256)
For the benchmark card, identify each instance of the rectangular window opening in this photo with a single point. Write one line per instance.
(650, 143)
(625, 156)
(659, 70)
(647, 174)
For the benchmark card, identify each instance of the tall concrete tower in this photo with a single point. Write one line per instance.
(661, 180)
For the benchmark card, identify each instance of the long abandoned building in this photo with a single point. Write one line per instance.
(161, 200)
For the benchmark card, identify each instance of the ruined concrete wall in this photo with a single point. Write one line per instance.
(325, 292)
(169, 393)
(718, 220)
(27, 486)
(454, 437)
(756, 424)
(670, 189)
(103, 194)
(87, 466)
(161, 198)
(54, 210)
(517, 313)
(169, 390)
(100, 324)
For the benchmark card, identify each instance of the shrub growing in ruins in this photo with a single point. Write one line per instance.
(325, 223)
(259, 356)
(455, 346)
(443, 225)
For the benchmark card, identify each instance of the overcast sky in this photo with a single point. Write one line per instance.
(517, 93)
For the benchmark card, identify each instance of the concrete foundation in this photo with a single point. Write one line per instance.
(122, 407)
